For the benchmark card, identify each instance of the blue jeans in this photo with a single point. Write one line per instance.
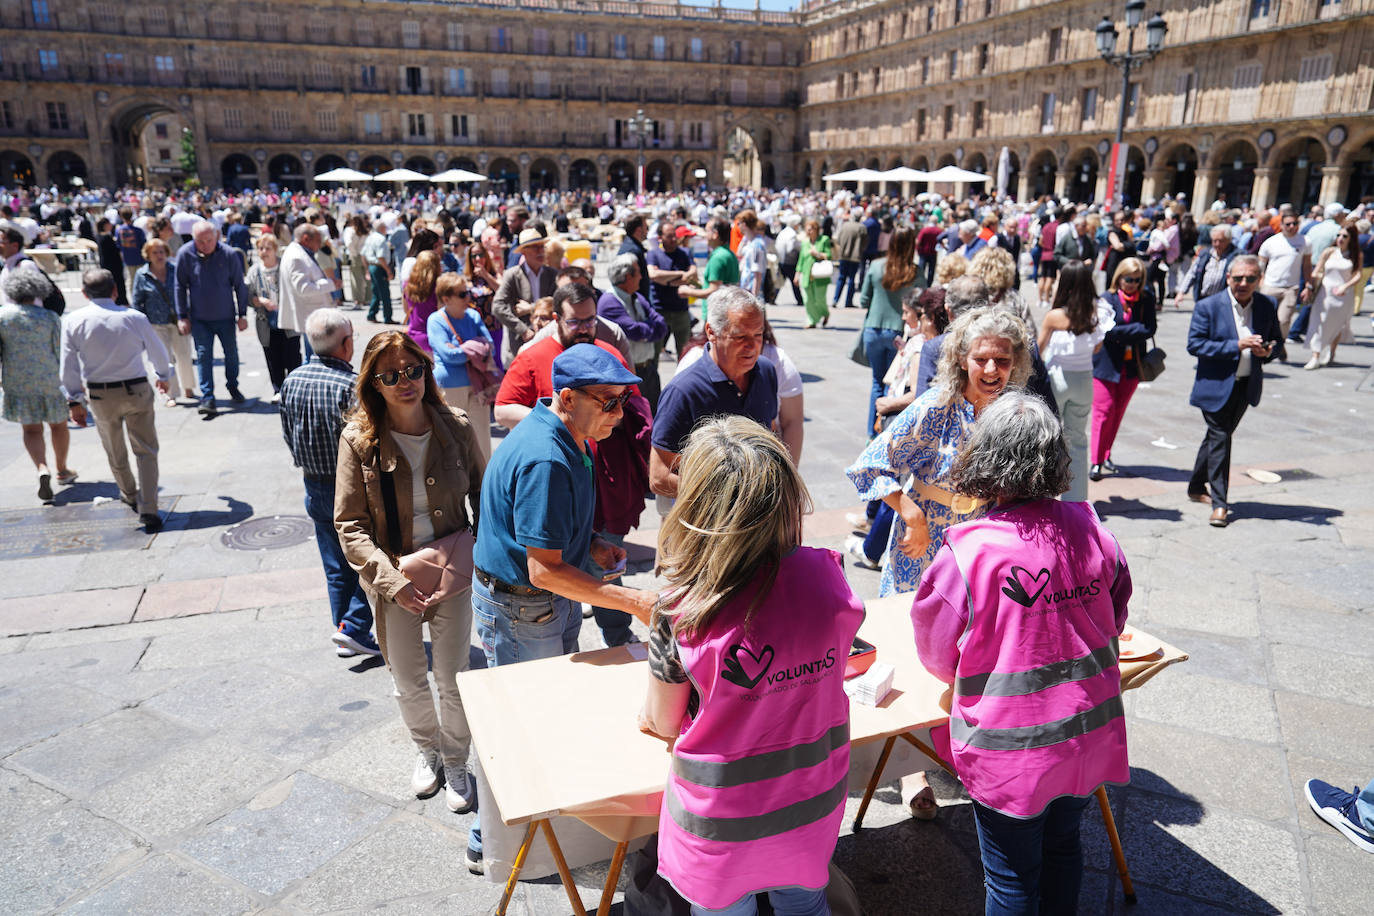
(879, 529)
(347, 601)
(1032, 866)
(786, 901)
(519, 628)
(1299, 328)
(881, 351)
(848, 273)
(1364, 806)
(615, 625)
(381, 293)
(203, 333)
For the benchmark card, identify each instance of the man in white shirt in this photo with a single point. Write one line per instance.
(1287, 265)
(304, 287)
(103, 346)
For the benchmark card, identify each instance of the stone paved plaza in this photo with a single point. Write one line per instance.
(178, 736)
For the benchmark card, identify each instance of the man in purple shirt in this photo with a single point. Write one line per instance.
(643, 326)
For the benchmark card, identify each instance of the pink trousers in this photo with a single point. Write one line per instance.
(1109, 406)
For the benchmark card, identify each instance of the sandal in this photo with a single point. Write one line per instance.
(923, 805)
(66, 477)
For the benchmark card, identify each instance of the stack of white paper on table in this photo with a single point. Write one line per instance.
(870, 687)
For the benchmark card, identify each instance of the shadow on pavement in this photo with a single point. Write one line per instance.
(1135, 509)
(1313, 515)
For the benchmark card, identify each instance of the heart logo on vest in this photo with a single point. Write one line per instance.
(1019, 583)
(737, 668)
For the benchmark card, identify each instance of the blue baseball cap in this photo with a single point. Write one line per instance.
(586, 364)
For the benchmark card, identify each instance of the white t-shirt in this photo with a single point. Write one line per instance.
(414, 448)
(1283, 259)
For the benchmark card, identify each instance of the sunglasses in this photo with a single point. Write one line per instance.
(392, 377)
(462, 294)
(1245, 278)
(1130, 279)
(609, 405)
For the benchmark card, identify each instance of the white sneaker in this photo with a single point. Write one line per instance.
(462, 798)
(858, 521)
(854, 546)
(425, 780)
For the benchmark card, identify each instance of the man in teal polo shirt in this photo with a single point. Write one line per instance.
(536, 541)
(722, 267)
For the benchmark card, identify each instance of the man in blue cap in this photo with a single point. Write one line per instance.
(536, 540)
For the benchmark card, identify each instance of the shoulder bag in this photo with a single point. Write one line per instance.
(1152, 364)
(440, 569)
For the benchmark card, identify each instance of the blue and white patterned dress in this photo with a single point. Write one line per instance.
(30, 359)
(923, 441)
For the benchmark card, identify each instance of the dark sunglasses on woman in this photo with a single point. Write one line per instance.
(392, 377)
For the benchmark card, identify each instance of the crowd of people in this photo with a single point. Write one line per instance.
(986, 417)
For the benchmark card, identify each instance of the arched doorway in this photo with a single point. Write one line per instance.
(658, 176)
(922, 164)
(543, 175)
(768, 176)
(806, 175)
(1361, 186)
(16, 171)
(67, 170)
(328, 163)
(582, 175)
(286, 172)
(1237, 163)
(505, 175)
(421, 164)
(1135, 177)
(1181, 161)
(1043, 165)
(873, 187)
(620, 176)
(463, 162)
(1011, 182)
(1300, 174)
(696, 174)
(1082, 187)
(238, 172)
(374, 165)
(741, 166)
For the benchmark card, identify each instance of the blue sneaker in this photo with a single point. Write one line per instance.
(358, 643)
(1337, 808)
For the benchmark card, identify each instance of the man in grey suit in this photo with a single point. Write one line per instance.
(529, 280)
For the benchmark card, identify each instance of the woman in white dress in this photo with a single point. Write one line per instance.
(1335, 276)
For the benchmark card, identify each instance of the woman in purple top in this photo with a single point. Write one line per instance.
(418, 294)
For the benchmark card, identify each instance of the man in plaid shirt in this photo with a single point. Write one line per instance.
(314, 399)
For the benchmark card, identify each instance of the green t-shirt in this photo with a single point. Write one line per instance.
(722, 267)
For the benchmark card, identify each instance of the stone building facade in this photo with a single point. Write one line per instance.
(1259, 100)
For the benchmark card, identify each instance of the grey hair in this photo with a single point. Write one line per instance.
(964, 293)
(988, 321)
(26, 287)
(327, 329)
(968, 225)
(729, 299)
(1223, 229)
(621, 268)
(97, 283)
(1015, 451)
(1250, 259)
(305, 231)
(201, 225)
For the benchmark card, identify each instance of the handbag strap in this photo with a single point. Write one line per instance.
(393, 516)
(449, 322)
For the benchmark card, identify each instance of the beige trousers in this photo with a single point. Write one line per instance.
(479, 415)
(403, 647)
(179, 346)
(118, 411)
(1286, 298)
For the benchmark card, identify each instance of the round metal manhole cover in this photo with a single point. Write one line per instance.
(270, 533)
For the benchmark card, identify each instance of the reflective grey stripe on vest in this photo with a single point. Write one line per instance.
(1021, 683)
(759, 826)
(714, 774)
(1032, 736)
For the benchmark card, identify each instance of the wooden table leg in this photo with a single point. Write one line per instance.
(573, 896)
(929, 752)
(613, 879)
(873, 782)
(520, 856)
(1118, 854)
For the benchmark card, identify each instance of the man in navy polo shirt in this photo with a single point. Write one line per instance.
(536, 539)
(732, 378)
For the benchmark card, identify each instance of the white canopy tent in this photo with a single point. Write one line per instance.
(458, 175)
(855, 175)
(952, 173)
(905, 173)
(401, 175)
(343, 174)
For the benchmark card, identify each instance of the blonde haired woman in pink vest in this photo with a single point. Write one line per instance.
(747, 655)
(1020, 611)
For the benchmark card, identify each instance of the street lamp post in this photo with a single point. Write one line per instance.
(1130, 60)
(641, 128)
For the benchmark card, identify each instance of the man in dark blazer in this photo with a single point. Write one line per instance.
(1231, 334)
(521, 286)
(1075, 245)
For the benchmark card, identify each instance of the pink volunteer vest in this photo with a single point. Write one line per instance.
(1037, 708)
(758, 782)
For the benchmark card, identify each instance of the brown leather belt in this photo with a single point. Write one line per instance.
(497, 585)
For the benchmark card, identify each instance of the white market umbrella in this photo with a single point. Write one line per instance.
(1003, 171)
(905, 173)
(401, 175)
(458, 175)
(343, 174)
(952, 173)
(855, 175)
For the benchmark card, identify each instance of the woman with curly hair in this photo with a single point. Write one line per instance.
(950, 268)
(996, 268)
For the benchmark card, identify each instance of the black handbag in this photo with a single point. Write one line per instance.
(1152, 364)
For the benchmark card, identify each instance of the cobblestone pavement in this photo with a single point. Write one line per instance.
(179, 737)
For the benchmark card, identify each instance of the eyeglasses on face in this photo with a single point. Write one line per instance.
(1245, 278)
(1130, 279)
(392, 377)
(458, 294)
(609, 405)
(580, 322)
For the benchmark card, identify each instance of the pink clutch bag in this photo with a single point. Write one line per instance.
(442, 567)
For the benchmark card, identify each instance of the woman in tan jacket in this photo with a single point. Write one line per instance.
(403, 432)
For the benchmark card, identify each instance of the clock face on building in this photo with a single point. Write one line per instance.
(1336, 135)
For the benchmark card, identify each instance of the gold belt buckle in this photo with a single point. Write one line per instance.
(963, 505)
